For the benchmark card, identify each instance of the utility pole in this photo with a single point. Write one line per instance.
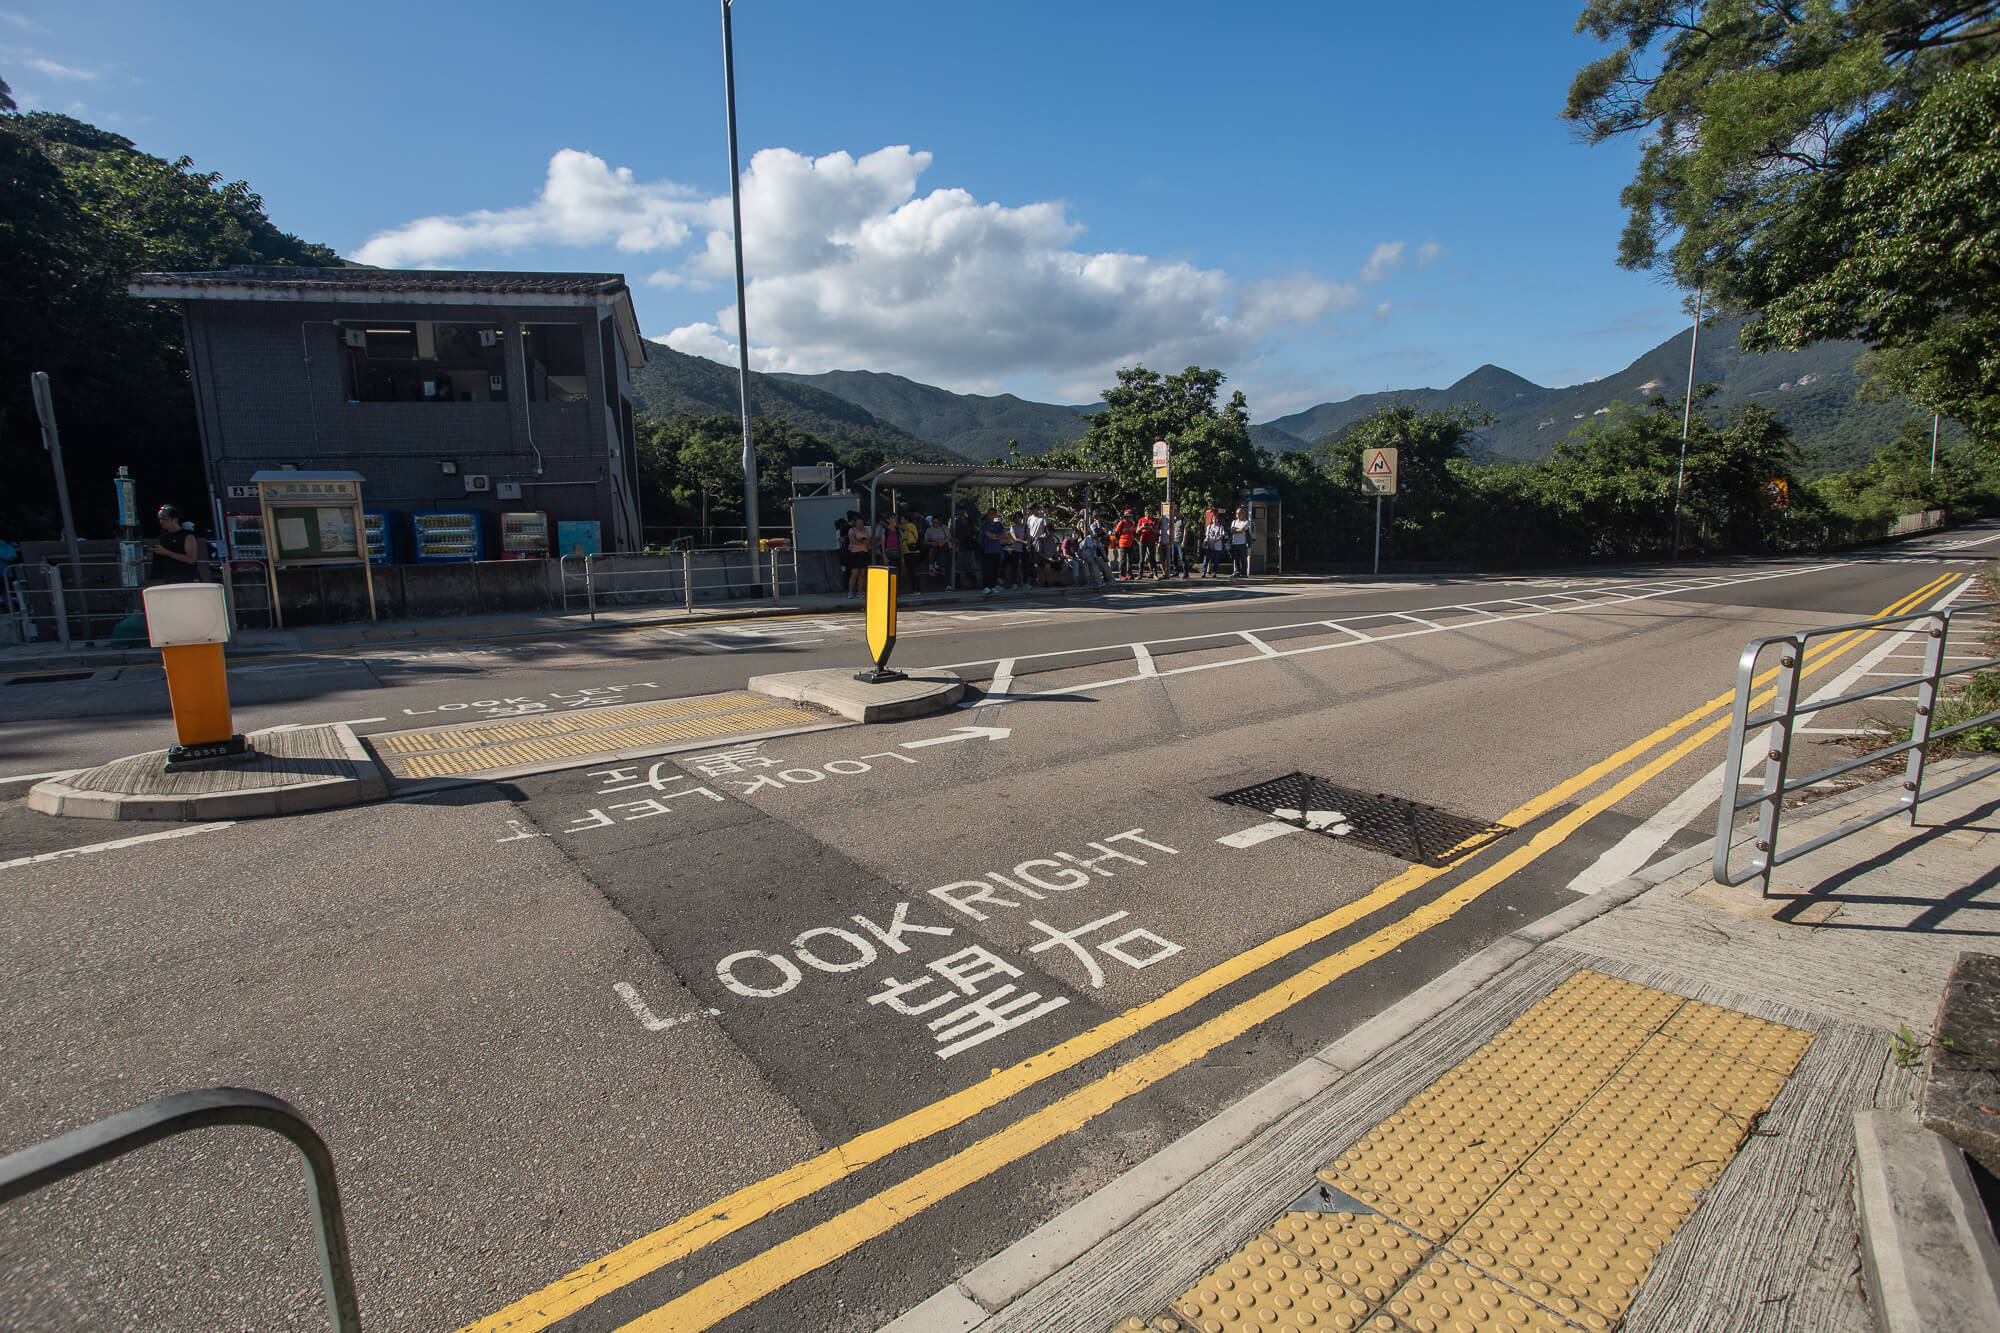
(45, 409)
(1687, 415)
(1934, 430)
(742, 319)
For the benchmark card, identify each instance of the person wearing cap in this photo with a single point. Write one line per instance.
(174, 550)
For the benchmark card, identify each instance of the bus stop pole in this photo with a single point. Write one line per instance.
(1378, 534)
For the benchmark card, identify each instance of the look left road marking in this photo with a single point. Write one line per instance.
(116, 843)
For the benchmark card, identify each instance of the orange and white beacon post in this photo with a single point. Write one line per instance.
(189, 623)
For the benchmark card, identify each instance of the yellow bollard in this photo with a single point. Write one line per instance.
(198, 687)
(881, 625)
(189, 623)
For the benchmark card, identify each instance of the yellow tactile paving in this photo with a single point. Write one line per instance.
(1531, 1186)
(1263, 1286)
(483, 733)
(604, 740)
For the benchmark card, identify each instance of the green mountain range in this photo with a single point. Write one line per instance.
(1813, 392)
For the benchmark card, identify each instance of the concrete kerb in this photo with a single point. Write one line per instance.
(990, 1287)
(59, 796)
(1929, 1256)
(838, 691)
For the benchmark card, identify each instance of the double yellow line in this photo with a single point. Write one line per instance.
(759, 1276)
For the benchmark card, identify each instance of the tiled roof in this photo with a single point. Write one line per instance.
(359, 279)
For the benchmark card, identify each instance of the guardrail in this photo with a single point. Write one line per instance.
(48, 604)
(1780, 725)
(687, 576)
(92, 1145)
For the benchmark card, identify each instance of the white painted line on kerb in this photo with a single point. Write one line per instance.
(37, 777)
(1257, 833)
(360, 721)
(116, 843)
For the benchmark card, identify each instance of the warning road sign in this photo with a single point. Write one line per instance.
(1378, 472)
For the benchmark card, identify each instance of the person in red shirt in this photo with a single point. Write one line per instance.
(1123, 534)
(1148, 533)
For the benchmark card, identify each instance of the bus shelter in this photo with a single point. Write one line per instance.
(955, 477)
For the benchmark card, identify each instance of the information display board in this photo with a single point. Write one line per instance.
(312, 518)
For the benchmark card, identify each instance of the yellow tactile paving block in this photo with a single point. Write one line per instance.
(1263, 1286)
(483, 733)
(1449, 1297)
(605, 740)
(1531, 1186)
(1739, 1036)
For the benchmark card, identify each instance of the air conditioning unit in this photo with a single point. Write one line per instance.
(508, 490)
(477, 482)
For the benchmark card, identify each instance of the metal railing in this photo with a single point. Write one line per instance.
(1781, 727)
(49, 605)
(593, 582)
(92, 1145)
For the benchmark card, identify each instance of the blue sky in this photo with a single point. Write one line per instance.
(1321, 199)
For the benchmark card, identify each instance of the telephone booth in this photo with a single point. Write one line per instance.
(1267, 529)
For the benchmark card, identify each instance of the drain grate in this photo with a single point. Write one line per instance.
(53, 678)
(1419, 833)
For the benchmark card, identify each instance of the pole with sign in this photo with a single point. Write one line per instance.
(45, 409)
(881, 625)
(131, 551)
(1378, 478)
(1163, 468)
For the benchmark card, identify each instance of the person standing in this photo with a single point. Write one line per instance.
(1239, 543)
(1148, 533)
(937, 545)
(1214, 541)
(857, 554)
(174, 550)
(1176, 539)
(992, 546)
(1124, 534)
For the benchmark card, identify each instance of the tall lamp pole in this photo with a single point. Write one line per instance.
(1687, 414)
(742, 320)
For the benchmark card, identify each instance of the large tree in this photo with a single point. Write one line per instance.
(81, 209)
(1829, 166)
(1208, 441)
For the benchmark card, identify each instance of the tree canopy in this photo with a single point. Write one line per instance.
(81, 209)
(1830, 166)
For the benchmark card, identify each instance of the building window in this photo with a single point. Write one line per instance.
(555, 363)
(424, 362)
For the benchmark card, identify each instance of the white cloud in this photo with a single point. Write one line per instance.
(21, 21)
(55, 71)
(584, 201)
(1429, 253)
(851, 267)
(1382, 314)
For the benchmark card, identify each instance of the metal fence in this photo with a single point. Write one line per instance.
(595, 582)
(1780, 727)
(91, 1145)
(49, 604)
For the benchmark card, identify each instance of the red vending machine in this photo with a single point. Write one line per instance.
(525, 534)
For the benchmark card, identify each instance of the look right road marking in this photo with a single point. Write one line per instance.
(758, 1277)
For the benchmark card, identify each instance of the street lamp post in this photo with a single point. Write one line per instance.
(742, 320)
(1687, 415)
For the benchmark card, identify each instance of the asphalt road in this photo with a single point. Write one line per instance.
(800, 1031)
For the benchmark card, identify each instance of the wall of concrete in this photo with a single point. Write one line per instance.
(271, 391)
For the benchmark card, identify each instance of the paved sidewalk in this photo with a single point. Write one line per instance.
(28, 659)
(1637, 1113)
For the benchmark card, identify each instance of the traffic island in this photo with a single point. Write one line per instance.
(916, 694)
(295, 769)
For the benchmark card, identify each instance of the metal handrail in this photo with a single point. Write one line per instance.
(602, 576)
(91, 1145)
(1769, 800)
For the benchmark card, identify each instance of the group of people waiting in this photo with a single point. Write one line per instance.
(1027, 549)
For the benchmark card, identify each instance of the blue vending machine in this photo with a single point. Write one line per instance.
(577, 537)
(445, 536)
(383, 548)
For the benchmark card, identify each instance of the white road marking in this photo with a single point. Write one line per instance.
(1003, 678)
(647, 1018)
(1147, 667)
(1257, 833)
(961, 734)
(360, 721)
(37, 777)
(116, 843)
(1257, 643)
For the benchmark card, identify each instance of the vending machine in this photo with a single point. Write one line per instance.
(382, 545)
(525, 534)
(443, 536)
(244, 534)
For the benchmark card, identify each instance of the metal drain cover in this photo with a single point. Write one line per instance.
(1418, 833)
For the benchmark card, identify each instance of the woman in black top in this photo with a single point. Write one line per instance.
(173, 550)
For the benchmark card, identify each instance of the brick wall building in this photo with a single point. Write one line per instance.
(446, 391)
